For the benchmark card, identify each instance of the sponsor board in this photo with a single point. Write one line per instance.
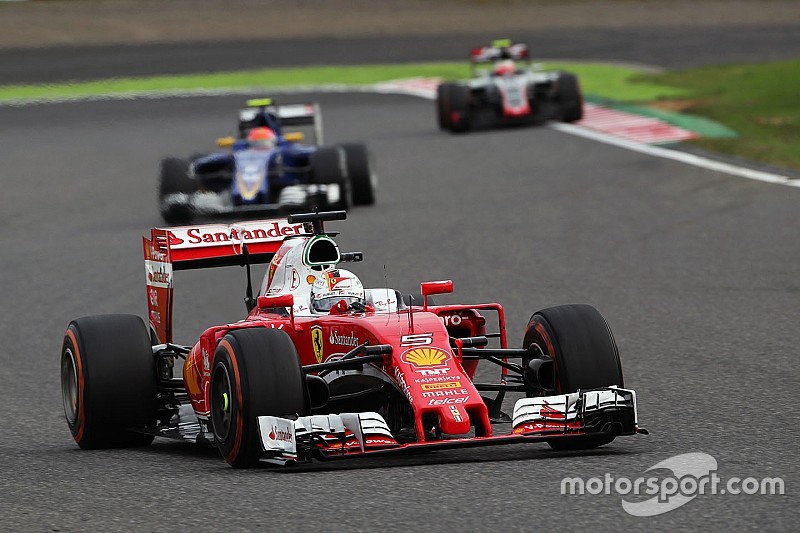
(445, 393)
(317, 342)
(401, 381)
(434, 379)
(277, 434)
(425, 357)
(340, 339)
(446, 401)
(220, 234)
(441, 385)
(158, 274)
(429, 372)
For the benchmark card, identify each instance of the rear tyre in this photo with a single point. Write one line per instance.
(460, 116)
(578, 338)
(174, 179)
(569, 97)
(443, 104)
(453, 107)
(256, 372)
(361, 171)
(329, 166)
(108, 381)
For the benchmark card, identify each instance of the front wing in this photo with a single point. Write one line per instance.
(607, 411)
(291, 198)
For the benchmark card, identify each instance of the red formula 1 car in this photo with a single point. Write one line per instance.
(322, 368)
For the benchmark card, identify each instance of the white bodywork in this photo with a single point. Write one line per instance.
(563, 408)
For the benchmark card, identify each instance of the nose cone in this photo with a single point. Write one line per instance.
(454, 420)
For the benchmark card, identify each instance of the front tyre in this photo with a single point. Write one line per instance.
(578, 338)
(454, 107)
(108, 381)
(256, 372)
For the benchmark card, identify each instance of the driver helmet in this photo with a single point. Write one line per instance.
(261, 138)
(334, 286)
(504, 68)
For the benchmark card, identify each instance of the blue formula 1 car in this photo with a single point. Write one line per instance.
(265, 170)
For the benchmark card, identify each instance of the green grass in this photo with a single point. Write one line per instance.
(609, 81)
(759, 102)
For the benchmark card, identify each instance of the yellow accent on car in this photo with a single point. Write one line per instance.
(259, 102)
(426, 356)
(293, 136)
(225, 142)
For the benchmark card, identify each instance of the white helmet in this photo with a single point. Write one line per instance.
(333, 286)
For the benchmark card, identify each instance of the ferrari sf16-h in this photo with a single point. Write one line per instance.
(322, 368)
(265, 170)
(509, 92)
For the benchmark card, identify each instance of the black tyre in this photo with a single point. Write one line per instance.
(569, 97)
(443, 104)
(174, 178)
(108, 381)
(329, 166)
(460, 106)
(361, 171)
(578, 338)
(256, 372)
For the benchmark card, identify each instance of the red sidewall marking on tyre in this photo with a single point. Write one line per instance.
(237, 443)
(79, 363)
(539, 327)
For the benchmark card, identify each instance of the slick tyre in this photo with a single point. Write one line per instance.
(329, 166)
(256, 372)
(578, 338)
(569, 97)
(174, 179)
(361, 170)
(108, 381)
(443, 104)
(457, 106)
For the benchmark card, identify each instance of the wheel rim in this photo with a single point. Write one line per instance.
(221, 402)
(69, 385)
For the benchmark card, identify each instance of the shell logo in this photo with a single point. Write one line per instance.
(425, 357)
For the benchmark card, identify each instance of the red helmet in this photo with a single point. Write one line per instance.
(504, 68)
(261, 138)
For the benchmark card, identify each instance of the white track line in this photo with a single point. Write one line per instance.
(423, 90)
(420, 88)
(675, 155)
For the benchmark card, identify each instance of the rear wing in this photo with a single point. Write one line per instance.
(502, 49)
(203, 246)
(292, 115)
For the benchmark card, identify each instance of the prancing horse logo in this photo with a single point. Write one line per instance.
(316, 342)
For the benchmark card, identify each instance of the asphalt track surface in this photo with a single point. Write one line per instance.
(670, 47)
(695, 271)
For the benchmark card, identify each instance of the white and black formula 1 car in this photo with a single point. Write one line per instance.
(509, 92)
